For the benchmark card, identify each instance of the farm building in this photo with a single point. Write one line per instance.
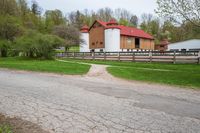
(189, 45)
(162, 46)
(112, 37)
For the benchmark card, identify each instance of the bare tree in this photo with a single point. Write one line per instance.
(180, 10)
(70, 34)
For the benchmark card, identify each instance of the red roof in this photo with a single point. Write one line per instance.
(112, 22)
(131, 31)
(125, 30)
(85, 29)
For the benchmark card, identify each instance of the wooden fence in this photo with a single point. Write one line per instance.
(139, 56)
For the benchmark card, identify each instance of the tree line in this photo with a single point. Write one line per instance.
(28, 30)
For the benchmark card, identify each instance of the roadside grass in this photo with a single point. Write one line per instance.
(5, 129)
(184, 75)
(53, 66)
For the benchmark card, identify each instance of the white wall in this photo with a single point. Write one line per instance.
(190, 44)
(112, 40)
(84, 47)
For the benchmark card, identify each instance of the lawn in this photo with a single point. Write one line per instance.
(185, 75)
(5, 129)
(43, 66)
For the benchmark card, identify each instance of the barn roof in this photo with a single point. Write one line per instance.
(125, 30)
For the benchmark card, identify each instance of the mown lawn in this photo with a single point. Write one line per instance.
(185, 75)
(43, 66)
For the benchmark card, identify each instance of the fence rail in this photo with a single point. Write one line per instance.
(139, 56)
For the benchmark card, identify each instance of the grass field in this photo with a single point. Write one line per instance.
(43, 66)
(5, 129)
(187, 75)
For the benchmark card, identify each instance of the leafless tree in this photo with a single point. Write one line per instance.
(180, 10)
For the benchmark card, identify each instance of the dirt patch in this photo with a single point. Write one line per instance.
(20, 126)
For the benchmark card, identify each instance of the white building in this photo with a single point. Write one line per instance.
(193, 44)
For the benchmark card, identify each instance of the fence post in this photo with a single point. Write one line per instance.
(104, 55)
(133, 57)
(66, 54)
(174, 59)
(118, 56)
(83, 55)
(199, 57)
(93, 55)
(150, 56)
(73, 54)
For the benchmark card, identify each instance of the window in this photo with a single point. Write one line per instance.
(101, 43)
(93, 43)
(101, 50)
(129, 40)
(137, 42)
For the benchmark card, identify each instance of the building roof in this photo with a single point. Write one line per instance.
(85, 29)
(187, 42)
(125, 30)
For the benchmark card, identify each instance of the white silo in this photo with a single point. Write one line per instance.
(112, 37)
(84, 46)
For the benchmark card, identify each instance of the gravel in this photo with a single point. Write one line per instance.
(97, 103)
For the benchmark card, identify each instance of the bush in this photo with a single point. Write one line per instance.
(4, 46)
(34, 44)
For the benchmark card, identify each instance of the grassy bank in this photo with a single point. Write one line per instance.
(43, 66)
(5, 129)
(187, 75)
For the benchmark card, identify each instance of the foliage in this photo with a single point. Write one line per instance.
(4, 46)
(9, 27)
(34, 44)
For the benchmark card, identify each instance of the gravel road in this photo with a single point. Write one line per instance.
(97, 103)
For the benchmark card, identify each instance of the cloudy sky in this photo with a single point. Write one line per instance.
(135, 6)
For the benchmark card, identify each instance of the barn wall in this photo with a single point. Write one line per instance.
(129, 43)
(96, 37)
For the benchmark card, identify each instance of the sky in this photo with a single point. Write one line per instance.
(135, 6)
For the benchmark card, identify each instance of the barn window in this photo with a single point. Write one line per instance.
(93, 43)
(101, 43)
(137, 42)
(129, 40)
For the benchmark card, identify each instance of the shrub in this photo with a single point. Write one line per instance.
(4, 46)
(34, 44)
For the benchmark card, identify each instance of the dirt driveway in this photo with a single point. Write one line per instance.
(97, 103)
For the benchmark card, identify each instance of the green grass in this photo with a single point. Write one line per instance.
(43, 66)
(185, 75)
(74, 49)
(5, 129)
